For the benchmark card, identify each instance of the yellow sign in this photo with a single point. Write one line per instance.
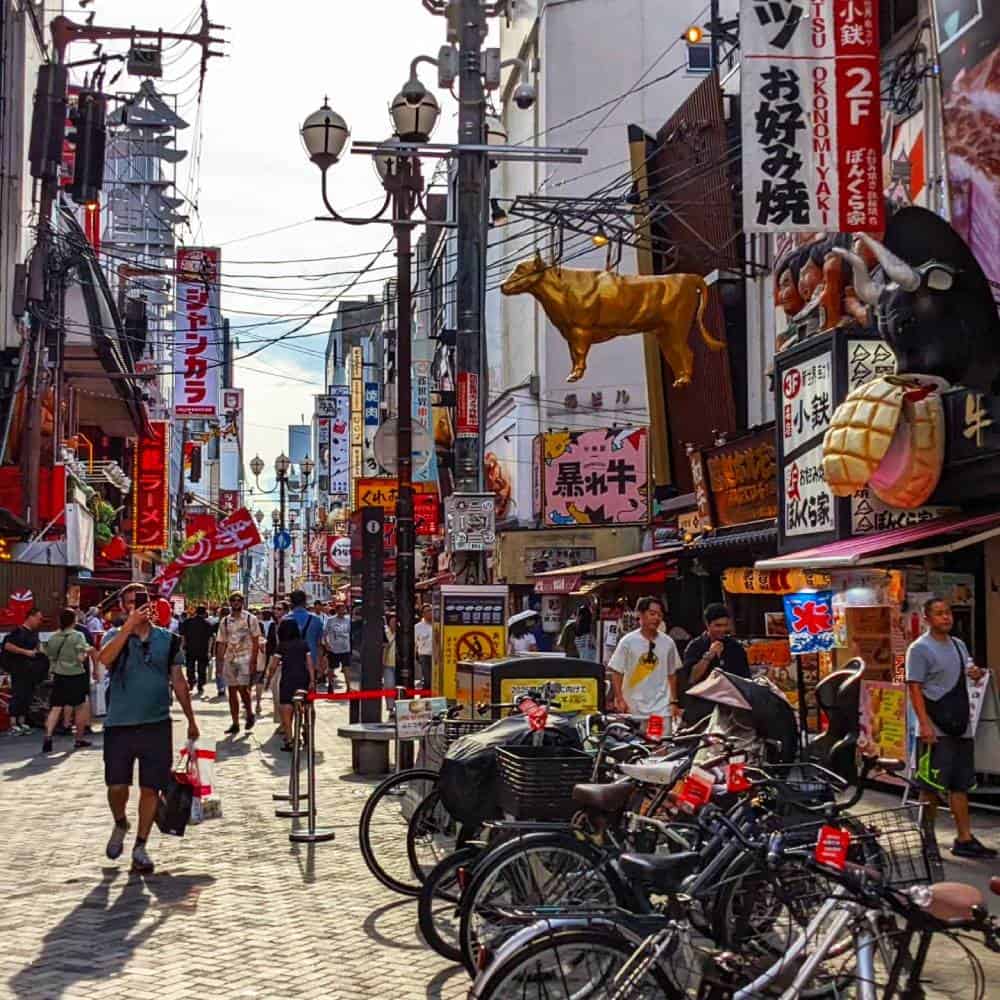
(883, 719)
(574, 694)
(469, 642)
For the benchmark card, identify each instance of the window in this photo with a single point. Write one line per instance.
(894, 16)
(699, 58)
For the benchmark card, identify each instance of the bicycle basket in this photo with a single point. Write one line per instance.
(902, 847)
(439, 736)
(537, 782)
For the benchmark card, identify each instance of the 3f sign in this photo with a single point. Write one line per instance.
(860, 96)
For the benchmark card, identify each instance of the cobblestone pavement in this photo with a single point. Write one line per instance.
(234, 909)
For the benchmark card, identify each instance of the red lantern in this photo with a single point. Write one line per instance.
(164, 612)
(116, 549)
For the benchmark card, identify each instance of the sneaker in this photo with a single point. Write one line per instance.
(972, 849)
(116, 841)
(80, 744)
(142, 863)
(46, 745)
(233, 729)
(201, 692)
(250, 721)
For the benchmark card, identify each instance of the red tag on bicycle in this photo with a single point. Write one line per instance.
(654, 727)
(832, 846)
(736, 778)
(695, 790)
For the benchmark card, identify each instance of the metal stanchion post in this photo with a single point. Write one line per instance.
(312, 835)
(294, 810)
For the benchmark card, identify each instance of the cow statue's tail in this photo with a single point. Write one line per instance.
(711, 341)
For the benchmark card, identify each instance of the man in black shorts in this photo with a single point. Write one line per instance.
(143, 661)
(937, 665)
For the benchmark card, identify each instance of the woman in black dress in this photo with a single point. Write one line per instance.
(298, 672)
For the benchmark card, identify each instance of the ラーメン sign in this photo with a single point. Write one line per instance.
(812, 142)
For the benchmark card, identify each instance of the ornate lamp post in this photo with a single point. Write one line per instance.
(414, 112)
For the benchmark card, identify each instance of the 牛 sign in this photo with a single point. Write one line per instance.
(812, 158)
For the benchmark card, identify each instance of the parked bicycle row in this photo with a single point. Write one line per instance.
(593, 857)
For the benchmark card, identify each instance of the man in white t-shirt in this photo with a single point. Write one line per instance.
(423, 638)
(644, 667)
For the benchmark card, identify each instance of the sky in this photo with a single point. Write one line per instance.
(258, 194)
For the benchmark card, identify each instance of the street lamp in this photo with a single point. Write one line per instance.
(282, 464)
(414, 112)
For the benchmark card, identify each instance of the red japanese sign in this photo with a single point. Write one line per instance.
(231, 536)
(467, 404)
(196, 357)
(199, 524)
(812, 142)
(832, 846)
(379, 492)
(151, 489)
(229, 500)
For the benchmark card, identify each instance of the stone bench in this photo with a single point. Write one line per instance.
(369, 745)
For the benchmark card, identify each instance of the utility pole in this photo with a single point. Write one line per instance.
(470, 342)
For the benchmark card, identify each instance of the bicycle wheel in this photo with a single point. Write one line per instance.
(759, 913)
(577, 964)
(383, 826)
(431, 835)
(437, 905)
(535, 870)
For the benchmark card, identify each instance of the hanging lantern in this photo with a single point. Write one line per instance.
(116, 549)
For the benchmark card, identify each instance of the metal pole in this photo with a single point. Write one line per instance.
(294, 810)
(408, 177)
(180, 484)
(471, 266)
(281, 551)
(312, 835)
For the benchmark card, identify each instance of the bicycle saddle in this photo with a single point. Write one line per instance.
(661, 872)
(605, 798)
(664, 772)
(953, 902)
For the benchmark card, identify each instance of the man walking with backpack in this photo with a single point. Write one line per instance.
(144, 662)
(937, 665)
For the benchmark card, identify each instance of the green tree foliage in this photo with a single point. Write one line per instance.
(209, 583)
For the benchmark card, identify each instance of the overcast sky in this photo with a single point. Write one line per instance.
(252, 175)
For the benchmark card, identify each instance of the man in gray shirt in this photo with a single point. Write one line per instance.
(935, 664)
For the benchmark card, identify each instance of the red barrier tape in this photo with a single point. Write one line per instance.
(368, 695)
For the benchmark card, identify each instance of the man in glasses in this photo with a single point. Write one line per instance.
(143, 661)
(236, 653)
(644, 667)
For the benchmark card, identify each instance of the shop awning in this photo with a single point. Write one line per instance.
(760, 535)
(618, 566)
(941, 534)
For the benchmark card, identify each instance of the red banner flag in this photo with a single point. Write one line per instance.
(235, 534)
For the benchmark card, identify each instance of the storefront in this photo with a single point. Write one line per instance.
(877, 586)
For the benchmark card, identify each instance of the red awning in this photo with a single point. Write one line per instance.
(940, 534)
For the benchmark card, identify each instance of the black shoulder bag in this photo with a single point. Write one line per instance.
(950, 713)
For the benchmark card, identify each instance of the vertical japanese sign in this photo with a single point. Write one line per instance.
(340, 441)
(230, 436)
(806, 408)
(810, 621)
(372, 419)
(151, 490)
(426, 472)
(596, 477)
(812, 144)
(198, 334)
(357, 420)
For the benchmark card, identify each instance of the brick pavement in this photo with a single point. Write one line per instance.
(234, 909)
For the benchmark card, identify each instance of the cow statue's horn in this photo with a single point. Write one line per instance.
(863, 284)
(898, 270)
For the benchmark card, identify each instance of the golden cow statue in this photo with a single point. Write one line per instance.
(589, 307)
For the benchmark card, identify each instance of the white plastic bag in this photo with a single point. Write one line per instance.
(202, 770)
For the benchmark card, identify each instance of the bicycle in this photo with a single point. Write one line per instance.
(616, 955)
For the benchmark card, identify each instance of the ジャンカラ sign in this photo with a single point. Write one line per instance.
(198, 333)
(812, 143)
